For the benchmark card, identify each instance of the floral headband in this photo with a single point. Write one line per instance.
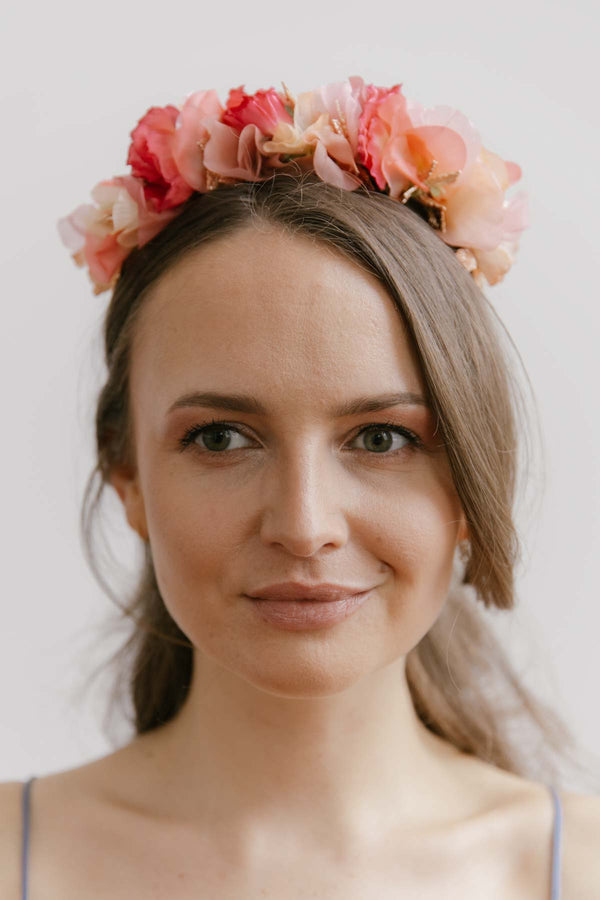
(350, 133)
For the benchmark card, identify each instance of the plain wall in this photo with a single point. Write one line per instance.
(76, 78)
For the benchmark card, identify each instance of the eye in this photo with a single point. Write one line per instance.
(377, 444)
(379, 438)
(214, 434)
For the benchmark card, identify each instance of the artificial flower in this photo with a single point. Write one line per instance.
(151, 158)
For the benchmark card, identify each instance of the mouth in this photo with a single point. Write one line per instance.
(307, 614)
(296, 590)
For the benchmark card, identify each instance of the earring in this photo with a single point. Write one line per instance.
(464, 551)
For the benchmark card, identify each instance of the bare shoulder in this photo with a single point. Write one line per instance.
(11, 828)
(581, 846)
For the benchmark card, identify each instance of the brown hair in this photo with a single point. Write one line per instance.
(462, 683)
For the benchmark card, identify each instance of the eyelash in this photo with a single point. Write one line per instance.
(188, 438)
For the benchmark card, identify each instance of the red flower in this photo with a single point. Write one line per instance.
(265, 109)
(151, 158)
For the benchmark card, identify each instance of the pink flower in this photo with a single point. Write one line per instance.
(233, 156)
(102, 236)
(375, 130)
(151, 158)
(193, 129)
(265, 109)
(326, 124)
(400, 149)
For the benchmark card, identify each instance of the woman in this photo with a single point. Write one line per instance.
(311, 422)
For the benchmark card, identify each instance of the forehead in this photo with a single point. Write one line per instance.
(285, 315)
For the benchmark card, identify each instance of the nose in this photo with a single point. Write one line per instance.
(303, 506)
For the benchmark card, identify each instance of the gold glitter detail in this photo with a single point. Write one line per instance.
(339, 122)
(466, 258)
(433, 198)
(290, 99)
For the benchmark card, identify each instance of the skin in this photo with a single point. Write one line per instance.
(313, 733)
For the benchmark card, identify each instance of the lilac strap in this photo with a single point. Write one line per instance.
(556, 845)
(25, 845)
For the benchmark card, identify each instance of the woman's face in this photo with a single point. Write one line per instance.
(296, 492)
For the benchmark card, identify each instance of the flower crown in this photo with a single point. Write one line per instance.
(350, 133)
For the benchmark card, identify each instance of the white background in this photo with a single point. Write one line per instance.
(76, 78)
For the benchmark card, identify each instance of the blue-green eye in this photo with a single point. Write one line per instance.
(217, 439)
(383, 445)
(216, 436)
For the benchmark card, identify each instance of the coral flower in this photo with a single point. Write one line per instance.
(265, 109)
(151, 158)
(403, 147)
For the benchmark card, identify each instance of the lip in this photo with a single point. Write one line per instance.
(325, 592)
(308, 615)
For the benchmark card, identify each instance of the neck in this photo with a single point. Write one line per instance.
(348, 765)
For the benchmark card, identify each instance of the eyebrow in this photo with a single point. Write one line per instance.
(249, 404)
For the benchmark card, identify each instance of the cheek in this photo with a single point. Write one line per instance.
(418, 544)
(421, 523)
(193, 536)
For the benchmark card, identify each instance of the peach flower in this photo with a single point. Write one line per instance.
(102, 236)
(477, 214)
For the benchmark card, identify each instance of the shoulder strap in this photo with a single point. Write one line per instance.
(556, 845)
(25, 845)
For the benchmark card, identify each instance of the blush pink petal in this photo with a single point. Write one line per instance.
(475, 210)
(494, 264)
(516, 215)
(383, 118)
(232, 155)
(345, 98)
(454, 120)
(148, 222)
(408, 157)
(445, 145)
(104, 257)
(393, 111)
(397, 168)
(329, 171)
(342, 98)
(117, 204)
(192, 130)
(474, 219)
(72, 228)
(315, 113)
(335, 144)
(514, 172)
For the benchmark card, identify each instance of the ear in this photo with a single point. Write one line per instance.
(126, 484)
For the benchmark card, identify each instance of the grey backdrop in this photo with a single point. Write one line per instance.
(75, 80)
